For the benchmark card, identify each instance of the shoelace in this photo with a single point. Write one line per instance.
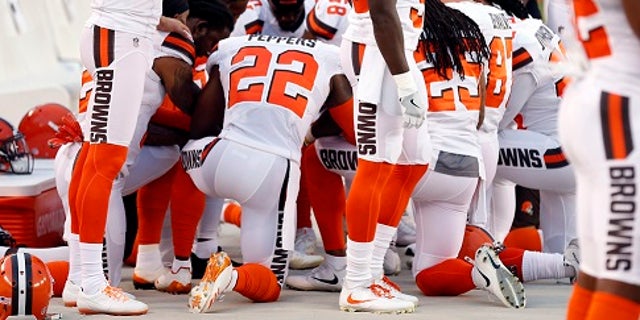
(115, 293)
(381, 291)
(390, 283)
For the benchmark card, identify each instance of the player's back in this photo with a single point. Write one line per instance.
(535, 49)
(454, 104)
(607, 37)
(135, 16)
(498, 34)
(274, 88)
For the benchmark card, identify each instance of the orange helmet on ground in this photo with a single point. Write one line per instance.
(15, 156)
(25, 286)
(41, 124)
(474, 238)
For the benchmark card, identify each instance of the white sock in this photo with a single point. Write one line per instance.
(233, 282)
(204, 249)
(384, 235)
(177, 264)
(337, 263)
(93, 280)
(148, 257)
(75, 268)
(539, 265)
(358, 264)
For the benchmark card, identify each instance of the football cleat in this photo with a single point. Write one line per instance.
(304, 255)
(395, 291)
(112, 301)
(322, 278)
(373, 298)
(490, 274)
(178, 282)
(145, 279)
(214, 283)
(572, 258)
(392, 265)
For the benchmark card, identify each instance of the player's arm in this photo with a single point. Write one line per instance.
(177, 78)
(388, 33)
(631, 9)
(208, 115)
(524, 84)
(339, 104)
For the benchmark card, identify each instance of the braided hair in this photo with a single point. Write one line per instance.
(448, 32)
(512, 7)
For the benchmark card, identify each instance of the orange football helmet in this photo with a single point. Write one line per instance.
(474, 238)
(15, 156)
(41, 124)
(25, 286)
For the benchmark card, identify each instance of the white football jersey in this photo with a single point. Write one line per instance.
(535, 49)
(494, 24)
(360, 27)
(606, 36)
(328, 20)
(274, 88)
(454, 106)
(139, 17)
(259, 19)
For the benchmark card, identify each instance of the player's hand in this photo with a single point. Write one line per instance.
(174, 25)
(414, 110)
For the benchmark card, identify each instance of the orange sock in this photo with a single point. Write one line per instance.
(186, 212)
(363, 203)
(257, 283)
(526, 238)
(397, 192)
(328, 199)
(605, 305)
(233, 213)
(152, 202)
(103, 164)
(512, 259)
(579, 303)
(451, 277)
(74, 185)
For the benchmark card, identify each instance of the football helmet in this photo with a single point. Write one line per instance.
(41, 124)
(15, 156)
(25, 286)
(474, 238)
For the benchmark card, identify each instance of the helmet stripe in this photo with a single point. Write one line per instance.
(22, 283)
(28, 271)
(15, 292)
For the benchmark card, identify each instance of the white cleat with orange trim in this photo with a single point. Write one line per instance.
(374, 298)
(214, 284)
(112, 301)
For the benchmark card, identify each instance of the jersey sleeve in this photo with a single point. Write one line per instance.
(249, 22)
(325, 18)
(176, 45)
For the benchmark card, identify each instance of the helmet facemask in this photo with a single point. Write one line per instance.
(15, 156)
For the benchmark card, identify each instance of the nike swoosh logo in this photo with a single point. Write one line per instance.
(414, 104)
(333, 281)
(495, 265)
(485, 279)
(351, 300)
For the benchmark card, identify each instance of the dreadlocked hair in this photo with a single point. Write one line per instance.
(214, 12)
(449, 34)
(512, 7)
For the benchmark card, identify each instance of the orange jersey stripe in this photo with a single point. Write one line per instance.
(181, 44)
(616, 127)
(319, 28)
(169, 115)
(254, 27)
(521, 58)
